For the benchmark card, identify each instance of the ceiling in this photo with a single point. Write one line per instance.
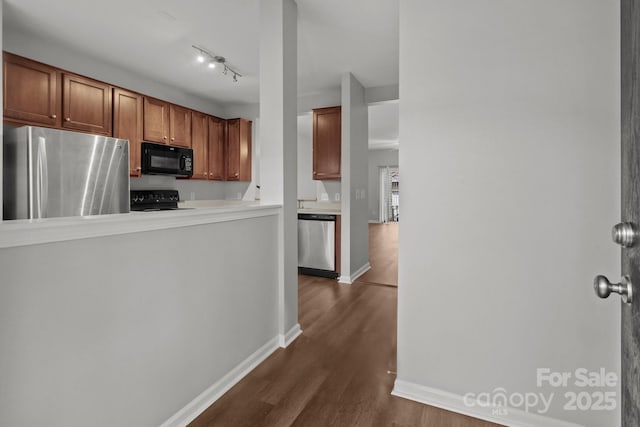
(154, 38)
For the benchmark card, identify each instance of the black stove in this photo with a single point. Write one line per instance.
(154, 200)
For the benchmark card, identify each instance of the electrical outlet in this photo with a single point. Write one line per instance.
(324, 197)
(337, 197)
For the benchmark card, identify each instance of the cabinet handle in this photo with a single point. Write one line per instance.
(237, 174)
(173, 139)
(164, 137)
(68, 119)
(138, 168)
(53, 116)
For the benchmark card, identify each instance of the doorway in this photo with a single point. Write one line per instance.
(389, 194)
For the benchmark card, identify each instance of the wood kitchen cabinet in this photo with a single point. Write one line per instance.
(166, 123)
(327, 143)
(86, 105)
(180, 126)
(31, 92)
(156, 120)
(217, 134)
(200, 145)
(207, 142)
(127, 124)
(238, 150)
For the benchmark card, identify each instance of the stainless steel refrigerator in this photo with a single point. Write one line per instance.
(53, 173)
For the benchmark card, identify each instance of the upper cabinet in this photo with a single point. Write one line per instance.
(86, 105)
(207, 142)
(180, 126)
(156, 120)
(31, 92)
(127, 124)
(327, 143)
(200, 145)
(38, 94)
(238, 150)
(166, 123)
(217, 134)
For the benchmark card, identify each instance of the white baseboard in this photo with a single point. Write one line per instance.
(345, 280)
(348, 280)
(290, 336)
(360, 272)
(197, 406)
(456, 403)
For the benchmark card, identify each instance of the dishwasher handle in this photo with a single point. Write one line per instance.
(317, 217)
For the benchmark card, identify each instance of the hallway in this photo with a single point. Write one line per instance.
(383, 255)
(339, 372)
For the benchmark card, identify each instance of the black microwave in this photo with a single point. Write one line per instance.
(159, 159)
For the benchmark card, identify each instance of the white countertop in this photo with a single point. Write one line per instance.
(319, 211)
(38, 231)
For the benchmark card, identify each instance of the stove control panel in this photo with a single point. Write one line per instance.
(145, 200)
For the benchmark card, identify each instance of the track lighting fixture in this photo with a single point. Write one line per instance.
(214, 60)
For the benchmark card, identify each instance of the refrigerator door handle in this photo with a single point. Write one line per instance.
(42, 180)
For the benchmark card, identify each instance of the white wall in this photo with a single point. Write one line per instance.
(306, 184)
(126, 330)
(509, 122)
(354, 175)
(378, 158)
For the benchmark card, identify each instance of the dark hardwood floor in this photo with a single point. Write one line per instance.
(339, 372)
(383, 255)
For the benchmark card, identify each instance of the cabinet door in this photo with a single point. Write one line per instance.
(180, 126)
(216, 149)
(86, 105)
(156, 120)
(31, 93)
(127, 124)
(200, 145)
(238, 150)
(327, 143)
(245, 150)
(233, 150)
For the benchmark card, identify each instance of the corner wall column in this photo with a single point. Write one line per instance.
(278, 145)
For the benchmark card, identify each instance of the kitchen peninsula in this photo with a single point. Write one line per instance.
(155, 313)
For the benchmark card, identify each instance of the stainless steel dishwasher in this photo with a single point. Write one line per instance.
(317, 245)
